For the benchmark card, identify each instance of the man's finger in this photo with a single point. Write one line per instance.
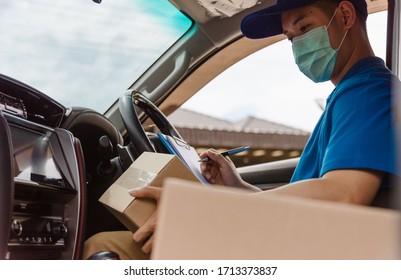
(147, 192)
(147, 248)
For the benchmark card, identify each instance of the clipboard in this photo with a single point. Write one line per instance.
(163, 139)
(186, 153)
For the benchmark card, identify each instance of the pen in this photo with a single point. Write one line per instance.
(229, 152)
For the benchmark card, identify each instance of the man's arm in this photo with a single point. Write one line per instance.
(355, 186)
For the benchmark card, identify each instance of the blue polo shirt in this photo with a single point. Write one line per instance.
(357, 128)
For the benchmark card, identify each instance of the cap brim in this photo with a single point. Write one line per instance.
(261, 26)
(267, 22)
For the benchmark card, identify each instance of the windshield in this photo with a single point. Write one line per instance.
(82, 53)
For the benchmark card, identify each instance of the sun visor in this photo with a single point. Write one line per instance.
(226, 8)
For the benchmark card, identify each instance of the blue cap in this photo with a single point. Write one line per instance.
(267, 22)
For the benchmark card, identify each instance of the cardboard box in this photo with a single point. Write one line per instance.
(148, 169)
(207, 223)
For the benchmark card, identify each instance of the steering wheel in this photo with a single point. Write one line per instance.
(128, 103)
(6, 185)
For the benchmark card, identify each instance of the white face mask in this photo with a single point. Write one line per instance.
(313, 53)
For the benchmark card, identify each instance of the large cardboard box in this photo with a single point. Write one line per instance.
(148, 169)
(209, 223)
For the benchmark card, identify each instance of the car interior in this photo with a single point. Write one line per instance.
(57, 160)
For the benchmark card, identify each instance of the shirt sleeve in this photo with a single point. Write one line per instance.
(362, 134)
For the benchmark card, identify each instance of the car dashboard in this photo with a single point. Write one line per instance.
(49, 176)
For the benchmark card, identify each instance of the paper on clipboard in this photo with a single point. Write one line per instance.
(185, 153)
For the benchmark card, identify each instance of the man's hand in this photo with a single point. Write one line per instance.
(222, 171)
(145, 233)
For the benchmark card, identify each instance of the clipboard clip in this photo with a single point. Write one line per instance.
(181, 143)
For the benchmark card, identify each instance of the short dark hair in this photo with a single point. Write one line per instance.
(329, 6)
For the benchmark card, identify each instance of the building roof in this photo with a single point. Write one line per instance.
(269, 141)
(183, 118)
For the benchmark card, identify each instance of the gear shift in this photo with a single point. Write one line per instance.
(106, 168)
(106, 255)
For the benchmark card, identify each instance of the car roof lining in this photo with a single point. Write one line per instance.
(226, 8)
(203, 11)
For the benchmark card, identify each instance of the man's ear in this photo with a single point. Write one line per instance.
(347, 13)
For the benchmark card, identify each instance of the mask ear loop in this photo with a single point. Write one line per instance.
(342, 41)
(346, 32)
(327, 26)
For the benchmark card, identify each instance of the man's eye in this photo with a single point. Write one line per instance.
(303, 28)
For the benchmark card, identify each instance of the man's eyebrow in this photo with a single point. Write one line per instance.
(298, 19)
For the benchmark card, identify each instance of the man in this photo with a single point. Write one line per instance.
(352, 149)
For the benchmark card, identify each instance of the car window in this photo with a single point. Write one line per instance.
(82, 53)
(269, 85)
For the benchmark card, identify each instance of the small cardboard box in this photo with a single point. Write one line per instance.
(148, 169)
(210, 223)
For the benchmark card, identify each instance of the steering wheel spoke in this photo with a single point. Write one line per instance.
(128, 103)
